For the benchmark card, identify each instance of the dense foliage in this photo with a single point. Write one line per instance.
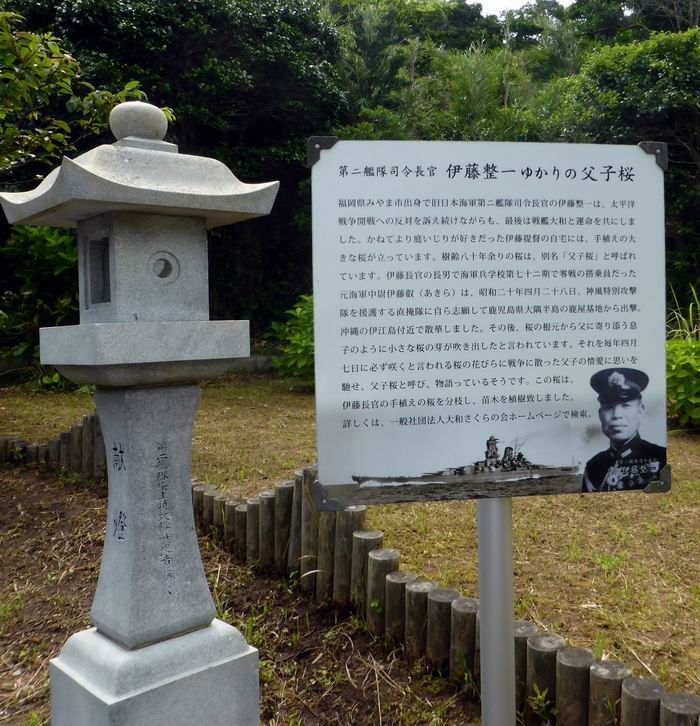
(250, 80)
(683, 382)
(46, 105)
(295, 336)
(647, 90)
(47, 109)
(683, 362)
(44, 262)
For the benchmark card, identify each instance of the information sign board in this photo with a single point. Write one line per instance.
(489, 320)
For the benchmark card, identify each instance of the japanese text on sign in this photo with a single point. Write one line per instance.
(467, 293)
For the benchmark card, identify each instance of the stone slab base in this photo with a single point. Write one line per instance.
(209, 676)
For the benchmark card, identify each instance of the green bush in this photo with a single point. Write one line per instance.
(683, 381)
(683, 361)
(628, 93)
(46, 105)
(296, 334)
(44, 292)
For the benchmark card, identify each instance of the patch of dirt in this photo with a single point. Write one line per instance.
(315, 666)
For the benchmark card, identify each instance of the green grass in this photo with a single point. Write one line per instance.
(617, 572)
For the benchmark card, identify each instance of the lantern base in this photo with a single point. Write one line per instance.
(209, 676)
(118, 355)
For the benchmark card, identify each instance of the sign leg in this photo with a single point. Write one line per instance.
(496, 612)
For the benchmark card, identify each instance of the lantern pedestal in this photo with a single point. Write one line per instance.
(156, 655)
(151, 585)
(209, 676)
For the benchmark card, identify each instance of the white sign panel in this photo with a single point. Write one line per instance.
(489, 320)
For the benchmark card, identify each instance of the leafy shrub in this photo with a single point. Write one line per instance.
(683, 361)
(46, 106)
(683, 381)
(296, 334)
(44, 263)
(45, 379)
(648, 90)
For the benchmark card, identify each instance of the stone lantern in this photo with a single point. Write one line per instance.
(156, 654)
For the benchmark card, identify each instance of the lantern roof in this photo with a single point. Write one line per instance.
(139, 173)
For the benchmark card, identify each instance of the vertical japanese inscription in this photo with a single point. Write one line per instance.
(119, 525)
(118, 462)
(164, 518)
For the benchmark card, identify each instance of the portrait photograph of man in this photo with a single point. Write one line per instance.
(630, 462)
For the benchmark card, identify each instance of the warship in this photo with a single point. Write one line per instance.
(512, 467)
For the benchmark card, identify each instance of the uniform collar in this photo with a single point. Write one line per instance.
(626, 448)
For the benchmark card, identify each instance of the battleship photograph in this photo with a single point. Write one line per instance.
(498, 474)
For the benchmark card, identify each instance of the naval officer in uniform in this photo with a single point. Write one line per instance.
(630, 462)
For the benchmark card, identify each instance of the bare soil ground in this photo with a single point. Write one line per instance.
(315, 666)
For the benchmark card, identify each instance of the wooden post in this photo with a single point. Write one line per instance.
(416, 618)
(229, 524)
(9, 448)
(309, 533)
(573, 668)
(352, 518)
(604, 692)
(463, 640)
(523, 630)
(43, 455)
(88, 446)
(284, 495)
(541, 688)
(266, 530)
(326, 551)
(20, 451)
(379, 564)
(679, 709)
(294, 554)
(32, 459)
(3, 449)
(76, 448)
(12, 448)
(395, 605)
(54, 454)
(437, 647)
(100, 461)
(363, 542)
(198, 505)
(11, 444)
(64, 451)
(217, 519)
(240, 533)
(641, 702)
(208, 510)
(253, 532)
(16, 451)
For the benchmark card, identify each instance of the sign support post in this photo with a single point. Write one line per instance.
(496, 612)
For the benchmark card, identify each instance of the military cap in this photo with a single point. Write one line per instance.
(614, 385)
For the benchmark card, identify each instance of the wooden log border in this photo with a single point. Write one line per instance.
(282, 531)
(80, 450)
